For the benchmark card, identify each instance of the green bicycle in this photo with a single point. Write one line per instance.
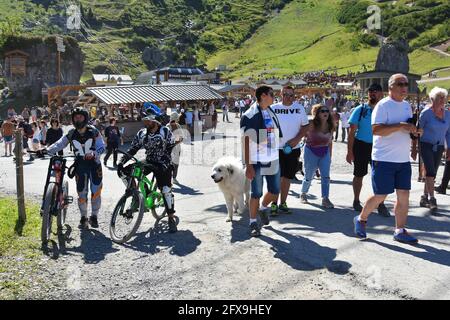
(141, 195)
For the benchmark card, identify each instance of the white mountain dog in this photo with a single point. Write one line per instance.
(229, 174)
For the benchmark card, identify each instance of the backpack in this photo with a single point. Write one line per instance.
(363, 109)
(182, 119)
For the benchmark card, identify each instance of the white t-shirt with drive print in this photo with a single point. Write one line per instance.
(396, 146)
(291, 119)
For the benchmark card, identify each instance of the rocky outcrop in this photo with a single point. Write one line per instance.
(155, 57)
(393, 57)
(41, 65)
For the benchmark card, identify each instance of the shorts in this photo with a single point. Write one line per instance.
(362, 151)
(289, 163)
(431, 158)
(273, 180)
(163, 176)
(8, 139)
(390, 176)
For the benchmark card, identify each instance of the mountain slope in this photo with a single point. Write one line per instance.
(307, 36)
(165, 32)
(251, 37)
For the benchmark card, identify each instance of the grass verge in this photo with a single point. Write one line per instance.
(19, 248)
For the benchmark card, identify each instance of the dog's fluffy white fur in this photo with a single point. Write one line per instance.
(229, 174)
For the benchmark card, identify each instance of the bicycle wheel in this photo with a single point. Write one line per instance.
(61, 220)
(159, 209)
(127, 217)
(47, 216)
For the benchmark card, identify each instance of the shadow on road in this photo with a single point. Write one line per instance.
(157, 238)
(303, 254)
(430, 254)
(94, 246)
(58, 248)
(185, 190)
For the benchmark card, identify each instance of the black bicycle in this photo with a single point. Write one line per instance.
(55, 199)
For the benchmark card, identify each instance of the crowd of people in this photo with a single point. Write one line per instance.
(381, 132)
(319, 78)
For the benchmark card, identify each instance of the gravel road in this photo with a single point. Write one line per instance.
(310, 254)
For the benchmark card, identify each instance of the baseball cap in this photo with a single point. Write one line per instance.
(375, 87)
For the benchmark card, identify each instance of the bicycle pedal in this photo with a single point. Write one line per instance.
(68, 200)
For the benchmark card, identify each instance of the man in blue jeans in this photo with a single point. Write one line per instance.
(391, 167)
(260, 131)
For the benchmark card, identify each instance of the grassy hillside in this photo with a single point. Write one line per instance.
(307, 36)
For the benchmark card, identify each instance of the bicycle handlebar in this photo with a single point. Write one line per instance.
(127, 154)
(51, 156)
(149, 165)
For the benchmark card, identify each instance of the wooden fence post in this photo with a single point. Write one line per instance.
(19, 176)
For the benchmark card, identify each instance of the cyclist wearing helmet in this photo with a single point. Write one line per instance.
(87, 144)
(158, 142)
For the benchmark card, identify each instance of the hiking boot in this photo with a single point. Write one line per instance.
(357, 206)
(255, 231)
(327, 204)
(273, 210)
(433, 204)
(360, 228)
(284, 208)
(303, 198)
(83, 223)
(264, 218)
(424, 203)
(383, 211)
(440, 190)
(172, 225)
(93, 221)
(405, 237)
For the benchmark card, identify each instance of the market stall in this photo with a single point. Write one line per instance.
(125, 102)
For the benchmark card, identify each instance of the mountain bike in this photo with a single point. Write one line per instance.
(55, 199)
(141, 195)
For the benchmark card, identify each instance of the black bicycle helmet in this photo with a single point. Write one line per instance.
(82, 111)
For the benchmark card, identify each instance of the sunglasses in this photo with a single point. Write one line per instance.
(402, 84)
(324, 111)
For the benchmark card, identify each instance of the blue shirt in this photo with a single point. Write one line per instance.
(435, 130)
(364, 131)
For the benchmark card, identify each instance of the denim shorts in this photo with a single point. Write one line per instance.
(8, 138)
(431, 156)
(389, 176)
(272, 176)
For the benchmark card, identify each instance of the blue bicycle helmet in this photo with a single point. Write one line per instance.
(151, 111)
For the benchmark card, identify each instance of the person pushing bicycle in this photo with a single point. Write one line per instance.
(158, 142)
(87, 144)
